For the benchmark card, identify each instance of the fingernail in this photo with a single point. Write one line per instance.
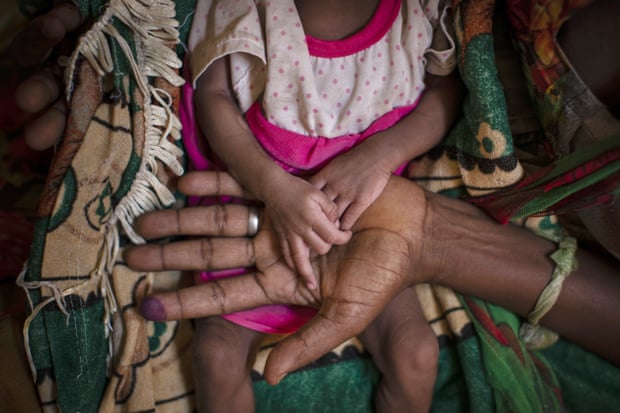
(152, 309)
(279, 379)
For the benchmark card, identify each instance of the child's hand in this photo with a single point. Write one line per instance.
(353, 181)
(304, 219)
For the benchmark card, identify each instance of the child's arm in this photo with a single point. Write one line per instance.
(303, 216)
(222, 124)
(356, 178)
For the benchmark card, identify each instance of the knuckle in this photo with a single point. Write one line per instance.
(217, 294)
(220, 217)
(206, 252)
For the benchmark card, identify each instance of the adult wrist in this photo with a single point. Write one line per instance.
(474, 255)
(448, 236)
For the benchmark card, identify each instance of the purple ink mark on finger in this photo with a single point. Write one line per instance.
(152, 309)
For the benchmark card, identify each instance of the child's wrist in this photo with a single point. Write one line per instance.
(390, 153)
(268, 180)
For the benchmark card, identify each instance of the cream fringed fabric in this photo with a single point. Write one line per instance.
(115, 162)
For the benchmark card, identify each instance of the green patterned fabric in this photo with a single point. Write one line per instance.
(90, 349)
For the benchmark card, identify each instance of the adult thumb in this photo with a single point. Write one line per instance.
(316, 338)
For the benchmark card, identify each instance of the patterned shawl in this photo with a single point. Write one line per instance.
(88, 346)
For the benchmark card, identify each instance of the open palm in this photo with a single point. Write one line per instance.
(355, 281)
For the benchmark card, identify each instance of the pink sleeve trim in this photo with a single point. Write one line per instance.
(299, 153)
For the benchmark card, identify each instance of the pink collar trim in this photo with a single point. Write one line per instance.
(379, 24)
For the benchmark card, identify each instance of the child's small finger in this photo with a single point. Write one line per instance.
(286, 250)
(317, 243)
(301, 257)
(329, 233)
(351, 215)
(342, 204)
(329, 208)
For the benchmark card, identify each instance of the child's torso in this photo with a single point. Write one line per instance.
(314, 71)
(327, 82)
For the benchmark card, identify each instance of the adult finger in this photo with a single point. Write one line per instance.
(211, 183)
(47, 128)
(33, 44)
(212, 298)
(67, 13)
(228, 220)
(324, 332)
(199, 254)
(37, 92)
(277, 285)
(337, 321)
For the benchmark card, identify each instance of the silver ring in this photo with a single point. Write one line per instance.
(253, 218)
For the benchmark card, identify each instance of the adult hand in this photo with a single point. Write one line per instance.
(407, 236)
(355, 281)
(40, 93)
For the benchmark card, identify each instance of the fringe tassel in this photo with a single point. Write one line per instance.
(154, 29)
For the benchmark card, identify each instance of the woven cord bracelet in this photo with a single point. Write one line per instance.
(535, 336)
